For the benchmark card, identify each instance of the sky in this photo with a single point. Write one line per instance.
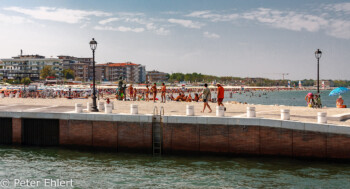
(243, 38)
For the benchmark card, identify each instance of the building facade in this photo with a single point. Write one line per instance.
(29, 66)
(130, 72)
(156, 76)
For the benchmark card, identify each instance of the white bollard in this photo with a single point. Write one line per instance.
(78, 108)
(17, 95)
(189, 110)
(322, 117)
(108, 108)
(101, 106)
(285, 114)
(2, 95)
(251, 112)
(220, 111)
(89, 106)
(112, 102)
(134, 109)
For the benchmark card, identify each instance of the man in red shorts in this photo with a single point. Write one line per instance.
(221, 95)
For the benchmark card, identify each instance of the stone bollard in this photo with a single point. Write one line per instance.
(108, 108)
(2, 95)
(89, 106)
(220, 111)
(251, 112)
(78, 108)
(101, 106)
(189, 110)
(134, 109)
(112, 105)
(285, 114)
(322, 117)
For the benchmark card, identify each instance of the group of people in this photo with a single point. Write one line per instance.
(313, 101)
(150, 94)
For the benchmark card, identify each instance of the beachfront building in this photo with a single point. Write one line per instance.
(130, 72)
(70, 61)
(29, 66)
(81, 71)
(156, 76)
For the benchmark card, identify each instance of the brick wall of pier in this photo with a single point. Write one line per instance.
(198, 135)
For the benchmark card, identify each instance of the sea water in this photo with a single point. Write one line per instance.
(89, 169)
(288, 98)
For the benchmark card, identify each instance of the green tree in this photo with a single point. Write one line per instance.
(46, 72)
(26, 81)
(68, 74)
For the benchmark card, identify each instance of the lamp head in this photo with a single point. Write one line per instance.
(93, 44)
(318, 54)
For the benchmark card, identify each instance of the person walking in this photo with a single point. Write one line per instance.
(154, 91)
(206, 95)
(221, 95)
(163, 92)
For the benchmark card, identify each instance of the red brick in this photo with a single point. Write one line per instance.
(80, 133)
(64, 132)
(185, 138)
(276, 141)
(244, 139)
(16, 130)
(338, 146)
(309, 144)
(213, 138)
(167, 138)
(134, 137)
(105, 134)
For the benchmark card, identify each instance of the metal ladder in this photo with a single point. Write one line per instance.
(157, 128)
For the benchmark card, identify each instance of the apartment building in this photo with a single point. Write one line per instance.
(156, 76)
(29, 66)
(130, 72)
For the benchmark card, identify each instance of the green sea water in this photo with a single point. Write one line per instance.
(89, 169)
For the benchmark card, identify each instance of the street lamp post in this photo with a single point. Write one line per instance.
(93, 46)
(318, 55)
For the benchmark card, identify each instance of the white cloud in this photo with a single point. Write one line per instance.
(13, 19)
(186, 23)
(70, 16)
(108, 20)
(287, 20)
(211, 35)
(339, 7)
(213, 16)
(339, 29)
(120, 28)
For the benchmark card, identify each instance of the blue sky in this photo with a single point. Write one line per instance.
(226, 38)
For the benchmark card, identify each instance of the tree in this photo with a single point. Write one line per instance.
(46, 72)
(26, 81)
(68, 74)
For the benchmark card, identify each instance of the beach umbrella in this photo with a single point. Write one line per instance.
(338, 91)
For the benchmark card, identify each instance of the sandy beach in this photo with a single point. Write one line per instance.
(297, 113)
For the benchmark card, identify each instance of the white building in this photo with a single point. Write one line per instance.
(29, 66)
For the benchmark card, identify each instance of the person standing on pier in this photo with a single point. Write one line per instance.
(163, 92)
(206, 95)
(131, 92)
(147, 93)
(154, 91)
(221, 95)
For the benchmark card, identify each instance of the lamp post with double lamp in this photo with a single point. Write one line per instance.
(93, 46)
(318, 55)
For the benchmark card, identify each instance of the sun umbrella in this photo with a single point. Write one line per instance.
(338, 91)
